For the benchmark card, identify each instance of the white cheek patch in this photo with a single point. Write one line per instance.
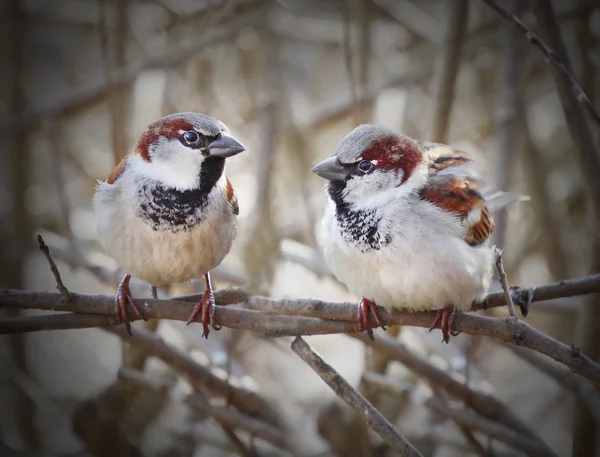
(175, 166)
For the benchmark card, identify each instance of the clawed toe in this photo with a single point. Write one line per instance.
(206, 307)
(444, 320)
(362, 317)
(122, 299)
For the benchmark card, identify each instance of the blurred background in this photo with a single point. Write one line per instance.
(81, 79)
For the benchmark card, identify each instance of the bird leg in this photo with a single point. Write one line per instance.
(362, 316)
(207, 306)
(444, 319)
(122, 298)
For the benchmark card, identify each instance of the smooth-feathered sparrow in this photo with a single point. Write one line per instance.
(167, 212)
(406, 225)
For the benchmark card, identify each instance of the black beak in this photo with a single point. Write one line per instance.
(224, 147)
(331, 169)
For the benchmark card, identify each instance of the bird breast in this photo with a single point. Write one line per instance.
(164, 244)
(424, 263)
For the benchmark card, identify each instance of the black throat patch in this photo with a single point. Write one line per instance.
(169, 209)
(360, 228)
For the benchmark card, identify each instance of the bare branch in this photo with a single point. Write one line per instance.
(552, 57)
(59, 284)
(504, 282)
(292, 317)
(347, 393)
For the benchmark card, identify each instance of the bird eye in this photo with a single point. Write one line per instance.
(191, 137)
(365, 166)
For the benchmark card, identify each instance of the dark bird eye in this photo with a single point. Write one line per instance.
(191, 137)
(365, 166)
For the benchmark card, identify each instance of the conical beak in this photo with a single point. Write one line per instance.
(330, 169)
(224, 147)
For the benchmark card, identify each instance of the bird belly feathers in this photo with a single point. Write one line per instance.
(424, 265)
(162, 257)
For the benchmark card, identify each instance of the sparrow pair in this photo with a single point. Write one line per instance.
(405, 224)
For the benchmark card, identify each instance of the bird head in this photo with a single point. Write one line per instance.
(372, 165)
(182, 149)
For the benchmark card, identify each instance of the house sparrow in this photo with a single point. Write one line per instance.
(167, 212)
(406, 225)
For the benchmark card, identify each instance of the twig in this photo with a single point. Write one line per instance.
(347, 393)
(59, 284)
(490, 428)
(552, 57)
(440, 380)
(504, 282)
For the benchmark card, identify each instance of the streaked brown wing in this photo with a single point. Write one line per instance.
(461, 197)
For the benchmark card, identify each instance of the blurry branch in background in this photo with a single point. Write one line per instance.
(99, 89)
(114, 46)
(559, 61)
(484, 34)
(581, 387)
(467, 420)
(202, 377)
(449, 65)
(391, 386)
(507, 112)
(443, 382)
(490, 428)
(575, 104)
(262, 237)
(347, 393)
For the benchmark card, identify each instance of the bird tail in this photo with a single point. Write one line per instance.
(497, 199)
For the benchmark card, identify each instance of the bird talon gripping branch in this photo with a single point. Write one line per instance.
(167, 212)
(406, 223)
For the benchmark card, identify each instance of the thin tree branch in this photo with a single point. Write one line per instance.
(347, 393)
(552, 57)
(59, 284)
(504, 282)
